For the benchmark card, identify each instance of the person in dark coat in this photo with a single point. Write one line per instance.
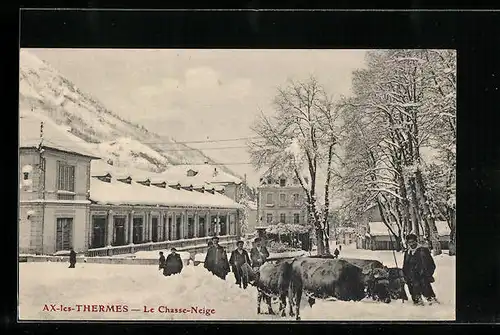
(72, 258)
(258, 254)
(237, 259)
(161, 261)
(336, 253)
(418, 269)
(216, 260)
(173, 264)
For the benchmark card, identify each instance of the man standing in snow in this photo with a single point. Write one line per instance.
(72, 258)
(237, 259)
(418, 269)
(258, 254)
(173, 264)
(216, 260)
(336, 253)
(161, 261)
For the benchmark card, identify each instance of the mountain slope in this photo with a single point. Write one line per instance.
(43, 90)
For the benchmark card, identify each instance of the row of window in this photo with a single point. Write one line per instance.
(282, 181)
(270, 218)
(64, 231)
(282, 198)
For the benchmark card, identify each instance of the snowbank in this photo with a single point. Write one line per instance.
(155, 254)
(132, 285)
(137, 286)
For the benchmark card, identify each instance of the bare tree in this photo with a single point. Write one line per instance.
(300, 137)
(401, 103)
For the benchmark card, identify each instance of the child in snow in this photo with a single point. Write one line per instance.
(173, 264)
(72, 259)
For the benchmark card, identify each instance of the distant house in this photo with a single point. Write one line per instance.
(346, 235)
(376, 236)
(281, 199)
(70, 199)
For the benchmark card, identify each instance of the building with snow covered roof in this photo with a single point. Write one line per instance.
(281, 199)
(69, 198)
(54, 184)
(153, 209)
(377, 235)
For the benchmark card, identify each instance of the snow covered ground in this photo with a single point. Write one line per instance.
(137, 286)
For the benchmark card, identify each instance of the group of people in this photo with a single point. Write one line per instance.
(217, 262)
(172, 264)
(418, 265)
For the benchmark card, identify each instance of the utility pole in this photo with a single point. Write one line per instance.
(42, 180)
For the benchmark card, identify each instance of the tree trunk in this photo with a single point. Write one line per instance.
(452, 244)
(428, 217)
(319, 241)
(405, 203)
(414, 207)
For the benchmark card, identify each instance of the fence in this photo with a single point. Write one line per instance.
(181, 245)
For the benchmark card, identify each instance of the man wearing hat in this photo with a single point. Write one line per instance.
(173, 264)
(259, 253)
(418, 269)
(237, 259)
(216, 260)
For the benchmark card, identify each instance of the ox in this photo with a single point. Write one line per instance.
(324, 278)
(272, 280)
(397, 284)
(375, 277)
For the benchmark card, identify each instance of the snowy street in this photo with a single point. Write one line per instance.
(137, 286)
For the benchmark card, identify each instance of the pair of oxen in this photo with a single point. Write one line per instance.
(320, 277)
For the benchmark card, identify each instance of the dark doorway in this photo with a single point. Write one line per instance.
(201, 227)
(154, 229)
(223, 224)
(169, 228)
(119, 230)
(98, 231)
(178, 227)
(137, 237)
(190, 227)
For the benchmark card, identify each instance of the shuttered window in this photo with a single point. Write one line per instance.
(65, 177)
(64, 234)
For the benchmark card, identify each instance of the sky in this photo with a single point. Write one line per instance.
(200, 94)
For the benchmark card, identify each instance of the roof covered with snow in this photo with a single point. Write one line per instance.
(380, 229)
(199, 174)
(54, 136)
(120, 193)
(101, 168)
